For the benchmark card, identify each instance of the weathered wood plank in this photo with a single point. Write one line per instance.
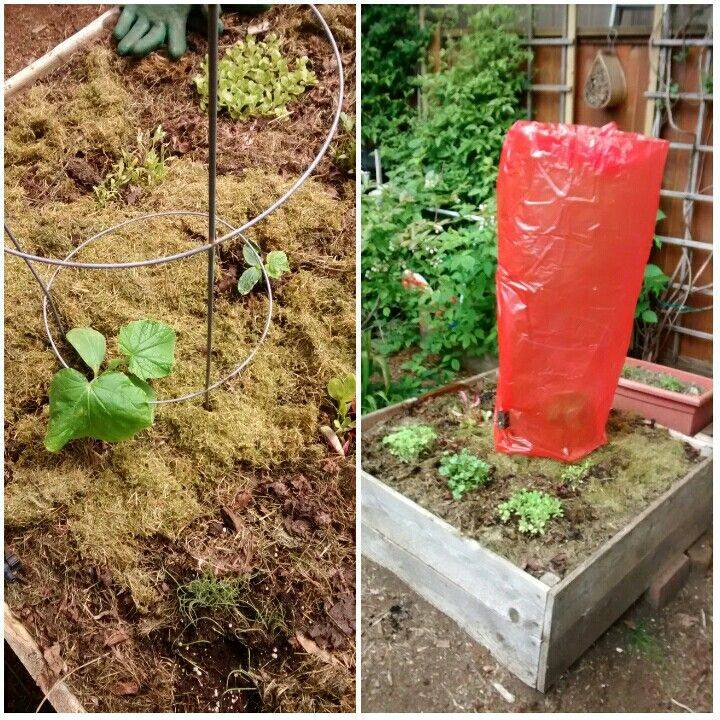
(29, 654)
(517, 651)
(596, 593)
(497, 582)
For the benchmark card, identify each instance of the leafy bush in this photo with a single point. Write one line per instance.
(255, 79)
(409, 441)
(533, 509)
(114, 405)
(573, 475)
(447, 159)
(464, 472)
(392, 44)
(145, 167)
(276, 264)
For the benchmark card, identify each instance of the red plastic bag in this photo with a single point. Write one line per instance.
(576, 215)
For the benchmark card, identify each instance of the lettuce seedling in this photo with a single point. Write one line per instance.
(276, 263)
(464, 472)
(409, 441)
(114, 405)
(533, 509)
(342, 391)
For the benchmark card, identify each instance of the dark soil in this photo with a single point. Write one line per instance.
(416, 659)
(31, 31)
(637, 465)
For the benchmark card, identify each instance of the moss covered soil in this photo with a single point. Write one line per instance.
(638, 463)
(244, 495)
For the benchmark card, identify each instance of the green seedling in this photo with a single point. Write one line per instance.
(255, 79)
(574, 475)
(210, 594)
(342, 391)
(114, 405)
(409, 441)
(145, 167)
(276, 264)
(533, 509)
(464, 472)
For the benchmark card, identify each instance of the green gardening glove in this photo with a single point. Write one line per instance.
(144, 28)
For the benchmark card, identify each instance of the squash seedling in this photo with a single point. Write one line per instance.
(276, 263)
(114, 405)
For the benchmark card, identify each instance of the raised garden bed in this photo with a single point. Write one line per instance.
(674, 398)
(208, 563)
(536, 602)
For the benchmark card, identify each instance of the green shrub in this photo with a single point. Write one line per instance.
(255, 79)
(533, 509)
(409, 441)
(464, 472)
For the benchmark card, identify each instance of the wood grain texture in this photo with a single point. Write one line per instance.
(507, 605)
(30, 655)
(518, 655)
(596, 593)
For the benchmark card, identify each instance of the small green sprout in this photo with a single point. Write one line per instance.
(464, 472)
(573, 475)
(409, 441)
(276, 264)
(210, 594)
(533, 509)
(342, 391)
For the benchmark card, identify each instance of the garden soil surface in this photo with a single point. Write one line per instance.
(247, 492)
(416, 659)
(637, 465)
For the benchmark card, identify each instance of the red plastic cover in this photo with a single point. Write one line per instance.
(576, 214)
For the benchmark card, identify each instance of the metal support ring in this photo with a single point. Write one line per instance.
(238, 368)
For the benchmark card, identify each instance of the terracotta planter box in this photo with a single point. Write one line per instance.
(687, 414)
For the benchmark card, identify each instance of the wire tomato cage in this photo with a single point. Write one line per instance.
(213, 242)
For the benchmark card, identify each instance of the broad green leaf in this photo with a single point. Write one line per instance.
(248, 280)
(90, 346)
(111, 407)
(250, 256)
(652, 271)
(150, 347)
(114, 364)
(276, 263)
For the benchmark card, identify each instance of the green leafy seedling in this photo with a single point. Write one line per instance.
(342, 391)
(409, 441)
(255, 79)
(276, 264)
(533, 509)
(114, 405)
(573, 475)
(464, 472)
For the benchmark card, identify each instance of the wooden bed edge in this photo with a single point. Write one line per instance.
(59, 54)
(30, 655)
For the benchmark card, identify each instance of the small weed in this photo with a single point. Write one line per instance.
(464, 472)
(643, 642)
(574, 475)
(145, 167)
(409, 441)
(532, 508)
(208, 593)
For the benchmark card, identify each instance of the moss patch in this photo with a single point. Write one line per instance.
(637, 465)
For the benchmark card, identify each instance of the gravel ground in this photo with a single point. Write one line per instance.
(415, 659)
